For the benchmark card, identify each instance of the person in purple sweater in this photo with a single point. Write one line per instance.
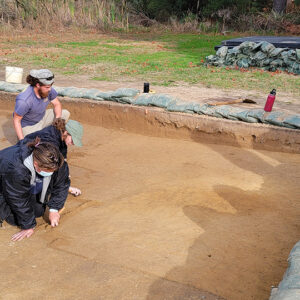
(31, 113)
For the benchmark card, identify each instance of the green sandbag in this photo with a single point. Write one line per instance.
(259, 56)
(74, 92)
(181, 107)
(210, 57)
(208, 110)
(257, 113)
(298, 54)
(234, 51)
(159, 100)
(124, 92)
(295, 68)
(222, 52)
(227, 112)
(13, 87)
(163, 101)
(247, 47)
(276, 63)
(267, 47)
(67, 92)
(104, 95)
(243, 63)
(292, 120)
(292, 55)
(244, 116)
(121, 95)
(276, 52)
(92, 94)
(276, 118)
(2, 85)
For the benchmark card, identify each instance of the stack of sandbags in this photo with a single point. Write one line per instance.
(259, 55)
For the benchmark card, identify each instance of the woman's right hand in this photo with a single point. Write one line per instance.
(22, 234)
(74, 191)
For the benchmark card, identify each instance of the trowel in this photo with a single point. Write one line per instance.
(232, 102)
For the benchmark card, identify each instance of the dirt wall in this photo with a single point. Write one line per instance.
(154, 121)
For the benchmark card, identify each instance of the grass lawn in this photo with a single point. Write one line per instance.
(164, 59)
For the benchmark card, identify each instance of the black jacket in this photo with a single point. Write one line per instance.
(15, 185)
(48, 134)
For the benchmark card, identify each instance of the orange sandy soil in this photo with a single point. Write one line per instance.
(159, 219)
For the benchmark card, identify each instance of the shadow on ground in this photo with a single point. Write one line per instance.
(253, 244)
(8, 131)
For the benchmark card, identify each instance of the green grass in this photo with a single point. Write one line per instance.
(165, 59)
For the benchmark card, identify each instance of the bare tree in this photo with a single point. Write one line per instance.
(279, 6)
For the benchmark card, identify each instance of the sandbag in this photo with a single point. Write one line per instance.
(228, 112)
(244, 116)
(186, 107)
(159, 100)
(292, 121)
(12, 87)
(277, 118)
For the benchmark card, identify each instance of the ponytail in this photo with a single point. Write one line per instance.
(33, 81)
(60, 125)
(46, 154)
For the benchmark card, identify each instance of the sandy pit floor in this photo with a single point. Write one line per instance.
(159, 219)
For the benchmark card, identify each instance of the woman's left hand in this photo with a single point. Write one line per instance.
(22, 234)
(54, 218)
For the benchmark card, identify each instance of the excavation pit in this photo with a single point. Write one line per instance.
(174, 206)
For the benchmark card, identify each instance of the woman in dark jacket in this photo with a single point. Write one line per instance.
(62, 135)
(31, 177)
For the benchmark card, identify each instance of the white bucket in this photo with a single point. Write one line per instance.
(13, 74)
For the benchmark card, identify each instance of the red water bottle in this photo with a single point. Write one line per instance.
(270, 101)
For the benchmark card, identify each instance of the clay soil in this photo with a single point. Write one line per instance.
(159, 218)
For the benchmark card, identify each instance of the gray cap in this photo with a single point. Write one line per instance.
(45, 76)
(75, 129)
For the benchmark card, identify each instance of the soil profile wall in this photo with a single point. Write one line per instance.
(153, 121)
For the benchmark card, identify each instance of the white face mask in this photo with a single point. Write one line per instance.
(45, 174)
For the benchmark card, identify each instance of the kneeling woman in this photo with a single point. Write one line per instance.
(32, 176)
(62, 135)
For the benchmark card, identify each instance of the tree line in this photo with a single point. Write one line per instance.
(162, 9)
(240, 15)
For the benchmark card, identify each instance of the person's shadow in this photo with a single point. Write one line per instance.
(9, 131)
